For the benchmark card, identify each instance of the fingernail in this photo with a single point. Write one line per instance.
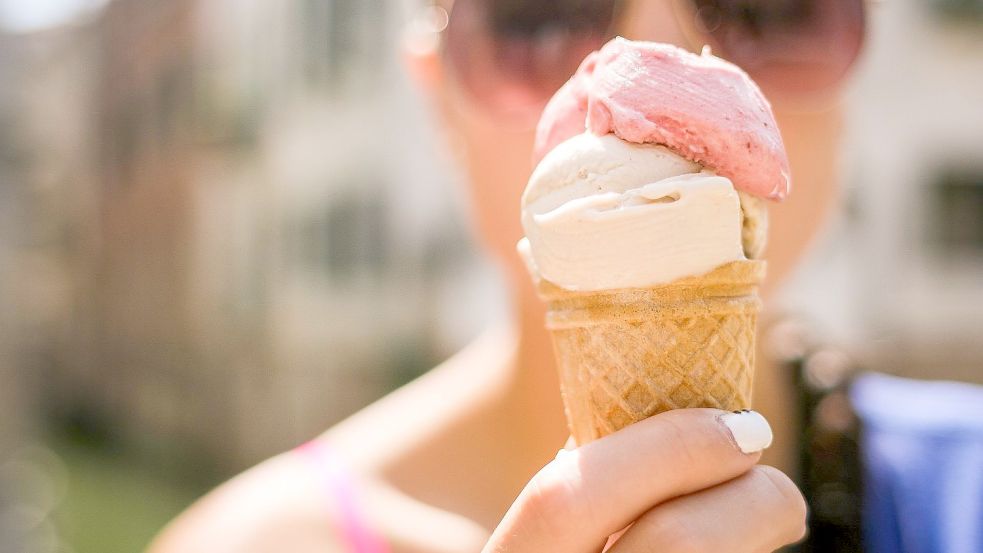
(750, 430)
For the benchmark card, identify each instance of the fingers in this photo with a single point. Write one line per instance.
(585, 495)
(758, 512)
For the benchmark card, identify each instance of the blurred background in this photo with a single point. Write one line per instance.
(207, 256)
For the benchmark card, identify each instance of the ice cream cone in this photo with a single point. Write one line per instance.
(625, 355)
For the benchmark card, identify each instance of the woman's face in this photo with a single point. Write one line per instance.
(495, 148)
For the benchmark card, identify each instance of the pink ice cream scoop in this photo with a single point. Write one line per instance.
(700, 106)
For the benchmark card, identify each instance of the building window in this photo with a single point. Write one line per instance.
(317, 58)
(125, 143)
(172, 97)
(346, 239)
(960, 9)
(958, 212)
(342, 44)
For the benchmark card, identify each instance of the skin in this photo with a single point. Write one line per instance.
(464, 458)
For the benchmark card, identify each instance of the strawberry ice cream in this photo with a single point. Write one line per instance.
(699, 106)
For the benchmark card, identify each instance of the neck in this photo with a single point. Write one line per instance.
(534, 385)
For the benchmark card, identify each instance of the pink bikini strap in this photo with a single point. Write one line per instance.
(339, 490)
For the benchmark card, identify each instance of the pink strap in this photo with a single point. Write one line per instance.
(340, 491)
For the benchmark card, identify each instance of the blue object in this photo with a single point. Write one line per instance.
(922, 451)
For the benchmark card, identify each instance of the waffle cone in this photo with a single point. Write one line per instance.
(624, 355)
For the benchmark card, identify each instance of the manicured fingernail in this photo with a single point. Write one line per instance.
(750, 430)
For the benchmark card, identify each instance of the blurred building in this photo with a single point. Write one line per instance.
(46, 172)
(272, 240)
(14, 392)
(12, 177)
(900, 272)
(45, 208)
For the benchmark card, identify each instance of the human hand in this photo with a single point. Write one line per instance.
(685, 480)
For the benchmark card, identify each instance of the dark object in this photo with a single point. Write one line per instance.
(830, 471)
(957, 217)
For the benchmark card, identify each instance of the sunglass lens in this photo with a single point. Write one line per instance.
(798, 46)
(513, 54)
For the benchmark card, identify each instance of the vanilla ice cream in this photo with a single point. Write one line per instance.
(601, 213)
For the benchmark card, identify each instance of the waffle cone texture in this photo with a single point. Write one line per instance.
(625, 355)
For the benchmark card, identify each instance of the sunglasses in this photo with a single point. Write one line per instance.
(512, 55)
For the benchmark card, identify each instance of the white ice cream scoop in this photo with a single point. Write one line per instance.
(601, 213)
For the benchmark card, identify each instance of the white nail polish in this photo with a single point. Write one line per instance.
(750, 430)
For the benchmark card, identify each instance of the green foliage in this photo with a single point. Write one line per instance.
(112, 503)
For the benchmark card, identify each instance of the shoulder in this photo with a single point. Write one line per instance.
(278, 506)
(270, 507)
